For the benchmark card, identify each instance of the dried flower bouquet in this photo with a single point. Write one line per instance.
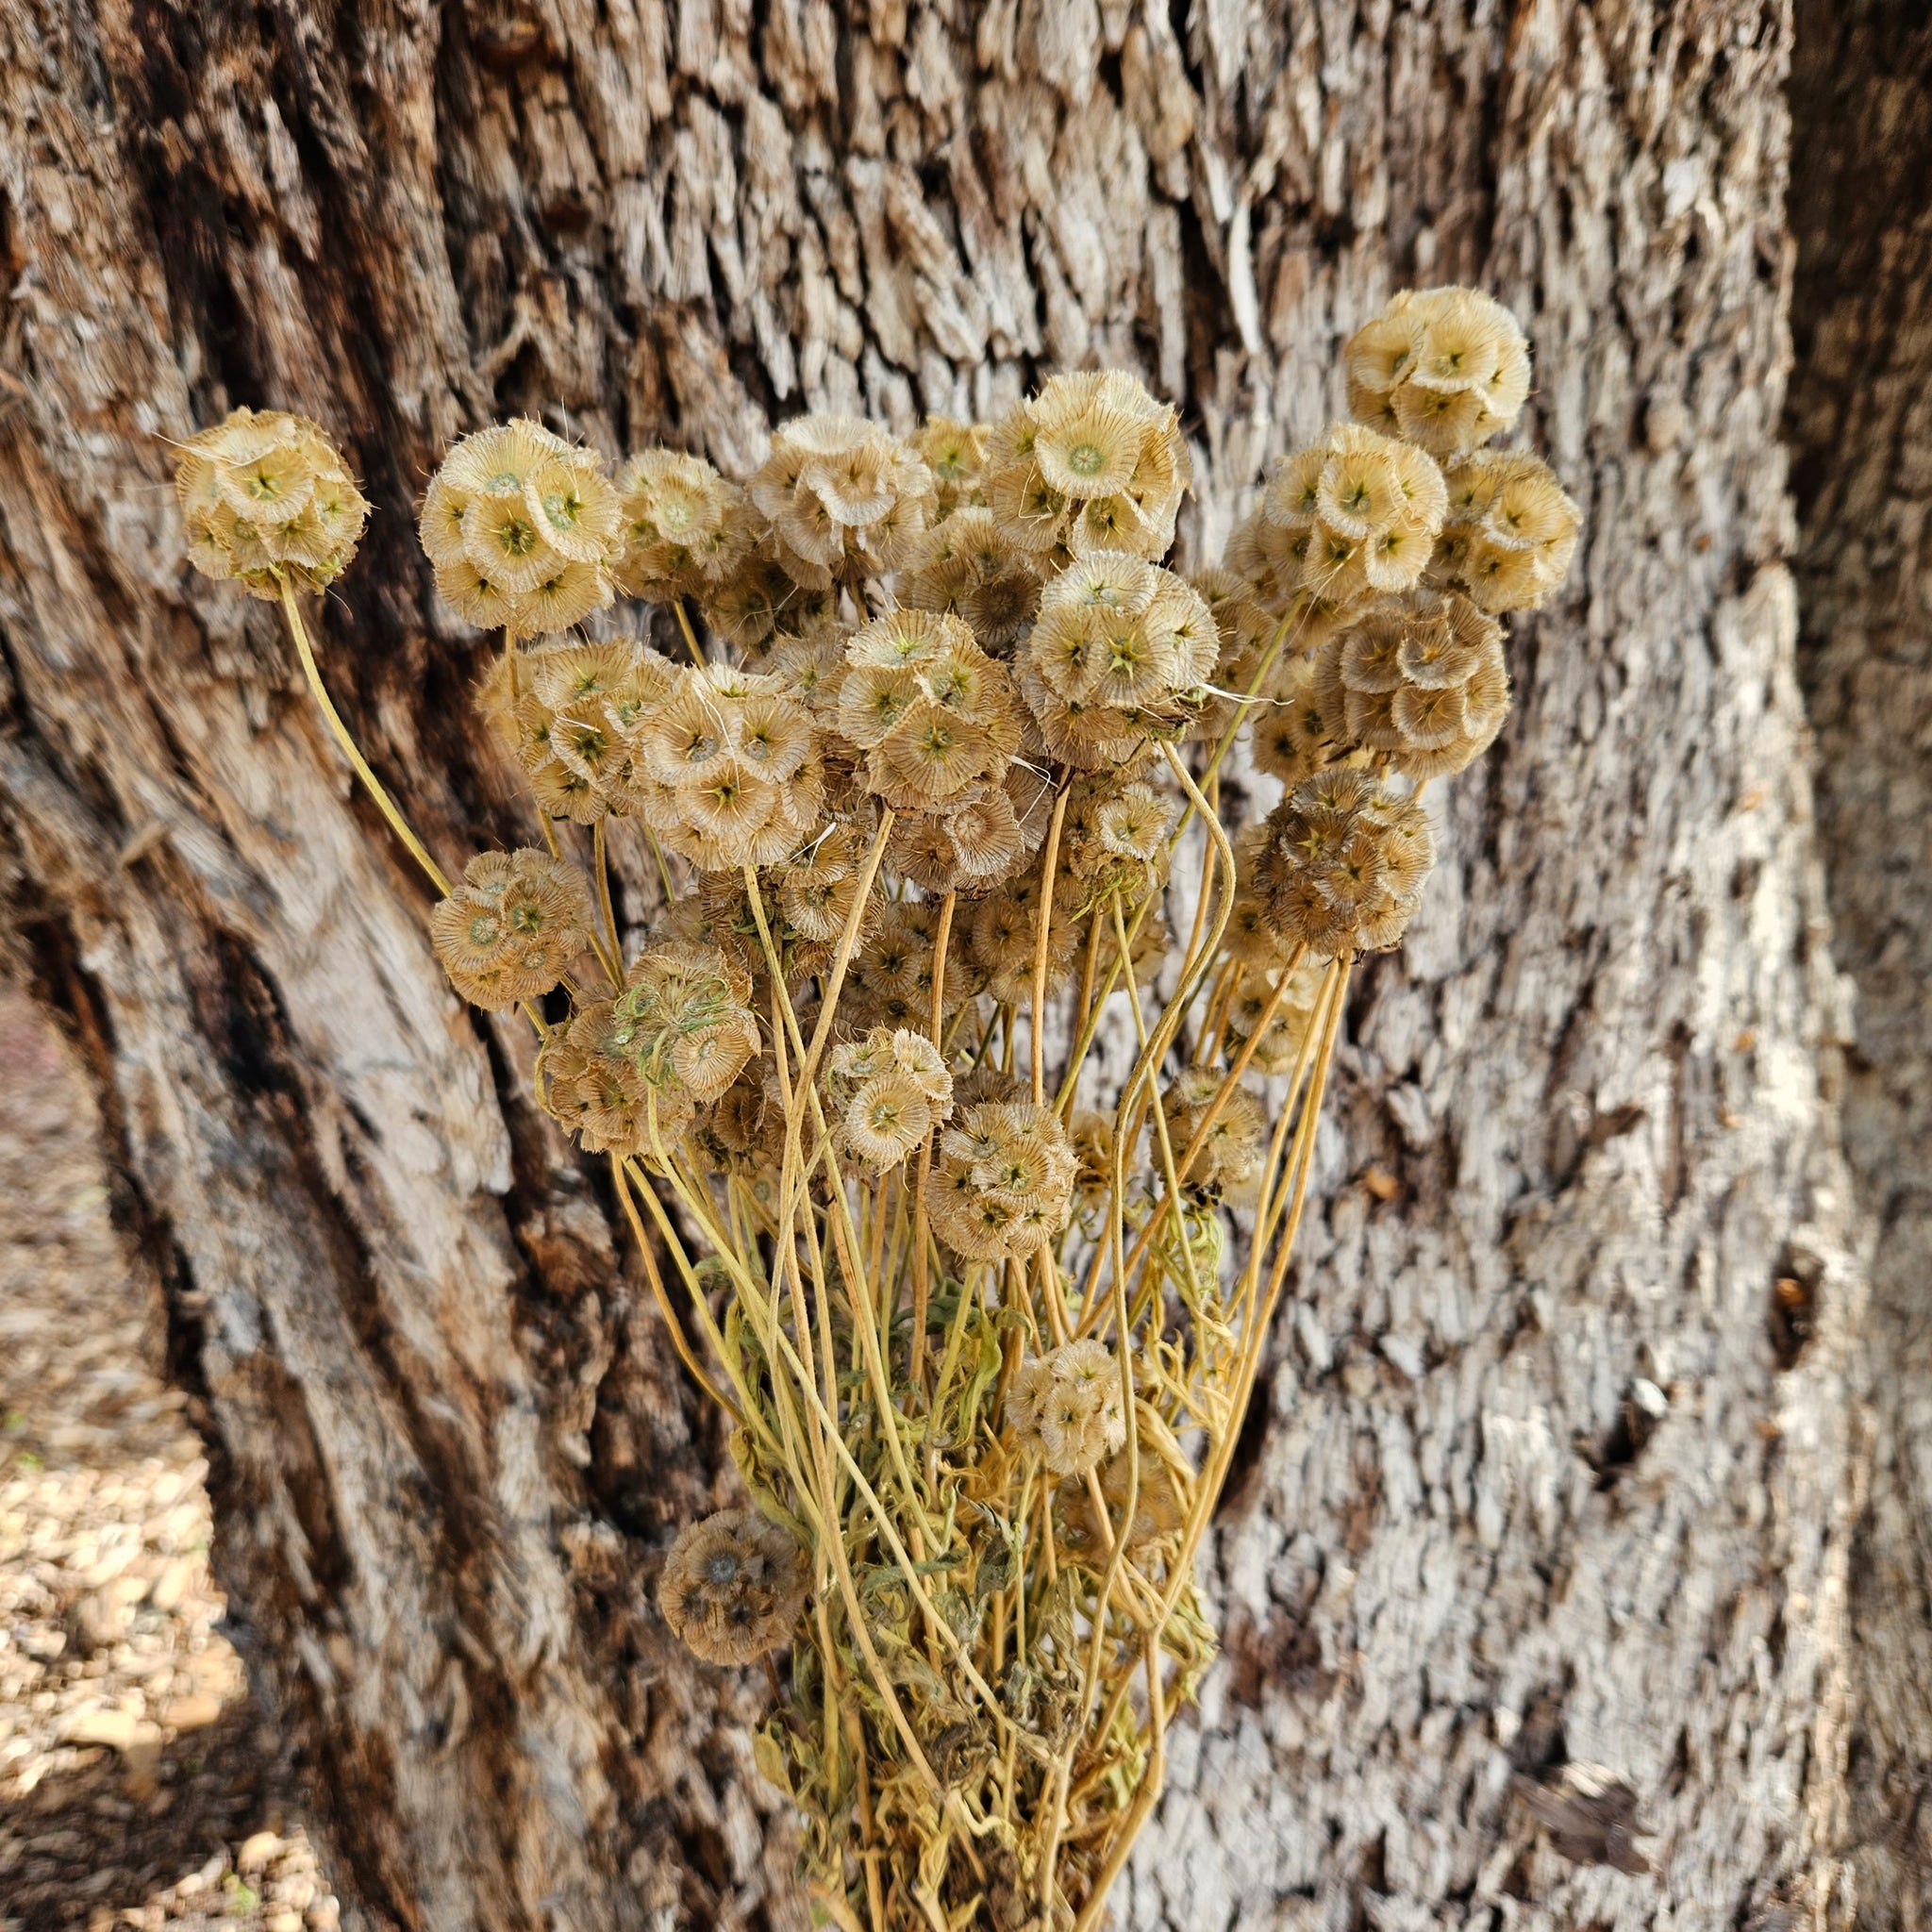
(986, 1328)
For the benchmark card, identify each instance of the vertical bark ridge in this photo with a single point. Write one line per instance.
(1861, 97)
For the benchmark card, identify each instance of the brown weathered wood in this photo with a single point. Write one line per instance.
(451, 1435)
(1861, 433)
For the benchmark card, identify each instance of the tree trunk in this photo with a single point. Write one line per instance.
(1554, 1456)
(1861, 433)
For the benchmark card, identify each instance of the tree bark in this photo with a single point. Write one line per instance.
(1554, 1457)
(1861, 437)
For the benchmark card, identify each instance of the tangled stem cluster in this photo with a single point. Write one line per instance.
(933, 718)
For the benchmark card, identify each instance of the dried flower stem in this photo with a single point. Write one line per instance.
(955, 668)
(398, 824)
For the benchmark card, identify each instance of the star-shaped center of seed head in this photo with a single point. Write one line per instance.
(1086, 459)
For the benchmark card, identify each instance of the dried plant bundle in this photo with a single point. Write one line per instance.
(986, 1324)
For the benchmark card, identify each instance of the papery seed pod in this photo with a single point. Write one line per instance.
(933, 713)
(891, 983)
(510, 931)
(886, 1118)
(1245, 630)
(685, 1023)
(724, 770)
(817, 890)
(1114, 842)
(591, 1084)
(1342, 865)
(686, 531)
(809, 669)
(955, 454)
(267, 499)
(975, 842)
(522, 529)
(1354, 517)
(1016, 1150)
(846, 499)
(1281, 1041)
(1230, 1156)
(1511, 530)
(1446, 368)
(985, 1082)
(1091, 1135)
(559, 793)
(733, 1585)
(1005, 1180)
(580, 707)
(887, 1090)
(1420, 683)
(1158, 1510)
(742, 1131)
(1003, 940)
(1092, 462)
(1066, 1406)
(1250, 935)
(1120, 648)
(757, 599)
(1081, 732)
(969, 568)
(1302, 727)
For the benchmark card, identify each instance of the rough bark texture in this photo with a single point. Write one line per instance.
(1861, 433)
(1544, 1466)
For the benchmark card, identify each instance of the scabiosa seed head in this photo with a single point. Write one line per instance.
(725, 769)
(1281, 1041)
(956, 454)
(1444, 368)
(844, 498)
(1511, 530)
(1343, 864)
(267, 500)
(1420, 683)
(1005, 1181)
(1302, 728)
(932, 712)
(522, 529)
(685, 1021)
(1003, 939)
(1230, 1156)
(685, 529)
(1121, 648)
(970, 568)
(1353, 518)
(733, 1585)
(890, 1091)
(590, 1082)
(1092, 462)
(511, 928)
(1065, 1407)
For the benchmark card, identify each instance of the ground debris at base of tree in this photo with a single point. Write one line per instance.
(140, 1787)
